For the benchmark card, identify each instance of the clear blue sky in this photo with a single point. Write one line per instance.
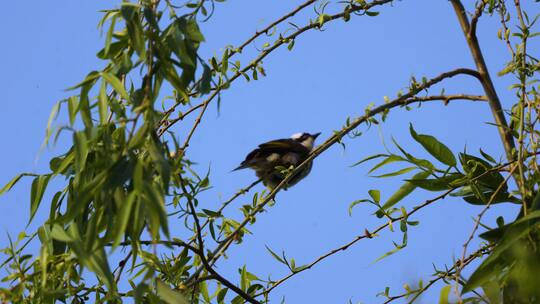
(327, 77)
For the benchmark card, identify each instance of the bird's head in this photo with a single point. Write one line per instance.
(307, 140)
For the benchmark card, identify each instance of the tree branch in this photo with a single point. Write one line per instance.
(487, 84)
(442, 275)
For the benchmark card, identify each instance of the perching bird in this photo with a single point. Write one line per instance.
(280, 153)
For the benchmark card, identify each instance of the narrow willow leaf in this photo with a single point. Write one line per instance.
(130, 13)
(84, 105)
(39, 185)
(277, 257)
(58, 233)
(434, 147)
(375, 195)
(438, 184)
(388, 160)
(351, 206)
(122, 220)
(244, 282)
(402, 192)
(396, 173)
(369, 158)
(103, 103)
(221, 295)
(90, 78)
(116, 84)
(445, 292)
(193, 31)
(80, 144)
(169, 295)
(73, 108)
(13, 181)
(108, 38)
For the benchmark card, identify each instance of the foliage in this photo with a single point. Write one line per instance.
(127, 172)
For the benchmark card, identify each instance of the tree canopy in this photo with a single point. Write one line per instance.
(126, 201)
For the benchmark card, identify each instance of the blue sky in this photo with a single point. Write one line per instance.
(327, 77)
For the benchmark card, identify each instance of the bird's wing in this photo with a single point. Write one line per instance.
(280, 146)
(283, 145)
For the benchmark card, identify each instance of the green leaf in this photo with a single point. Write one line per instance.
(73, 107)
(84, 105)
(122, 219)
(58, 233)
(90, 78)
(80, 144)
(351, 206)
(130, 12)
(13, 181)
(277, 257)
(193, 31)
(492, 265)
(108, 38)
(388, 160)
(375, 195)
(39, 185)
(402, 192)
(438, 184)
(103, 103)
(445, 292)
(396, 173)
(244, 282)
(116, 84)
(434, 147)
(221, 295)
(369, 158)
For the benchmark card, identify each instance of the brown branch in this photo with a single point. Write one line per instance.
(476, 16)
(447, 98)
(449, 273)
(201, 254)
(227, 202)
(461, 263)
(487, 84)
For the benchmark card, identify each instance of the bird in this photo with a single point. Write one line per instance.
(267, 159)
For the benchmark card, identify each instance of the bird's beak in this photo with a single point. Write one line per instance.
(315, 135)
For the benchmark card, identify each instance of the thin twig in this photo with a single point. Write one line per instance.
(202, 255)
(475, 227)
(449, 273)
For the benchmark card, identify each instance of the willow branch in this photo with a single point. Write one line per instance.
(447, 98)
(487, 84)
(442, 275)
(201, 254)
(262, 55)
